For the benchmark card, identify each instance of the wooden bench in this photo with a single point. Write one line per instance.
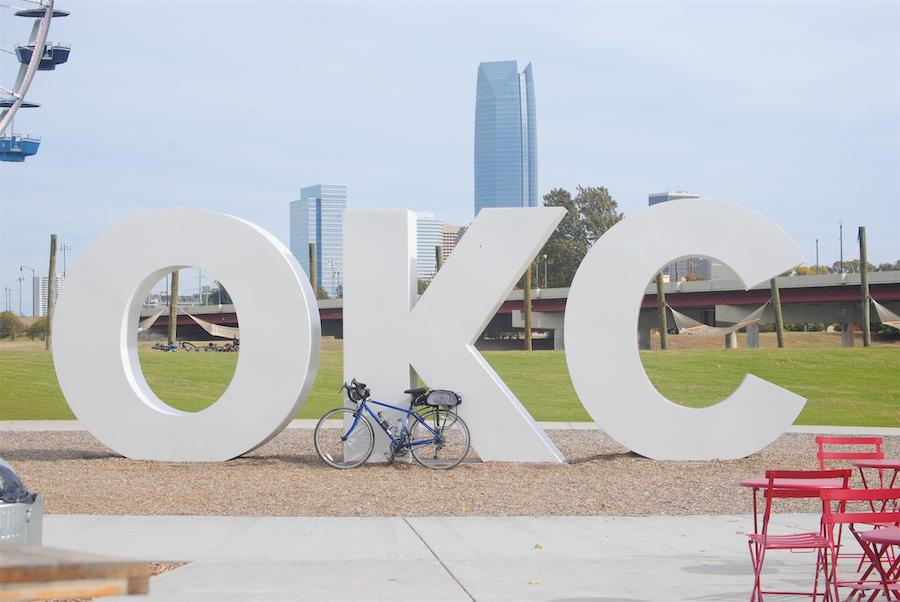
(39, 573)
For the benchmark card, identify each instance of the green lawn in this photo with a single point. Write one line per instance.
(844, 386)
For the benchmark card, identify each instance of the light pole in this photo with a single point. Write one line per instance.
(841, 238)
(65, 248)
(544, 257)
(27, 267)
(817, 257)
(333, 290)
(20, 279)
(199, 286)
(6, 292)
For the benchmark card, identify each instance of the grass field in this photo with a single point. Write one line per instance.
(844, 386)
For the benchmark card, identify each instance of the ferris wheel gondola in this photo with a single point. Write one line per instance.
(13, 146)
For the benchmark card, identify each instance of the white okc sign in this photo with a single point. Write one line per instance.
(95, 336)
(388, 332)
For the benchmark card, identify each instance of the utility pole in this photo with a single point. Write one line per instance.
(173, 309)
(65, 248)
(438, 259)
(313, 269)
(527, 301)
(26, 267)
(864, 285)
(20, 279)
(545, 270)
(51, 294)
(841, 239)
(817, 257)
(779, 320)
(661, 310)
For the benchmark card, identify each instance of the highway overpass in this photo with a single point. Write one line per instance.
(831, 298)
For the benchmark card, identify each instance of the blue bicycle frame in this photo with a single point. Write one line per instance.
(364, 405)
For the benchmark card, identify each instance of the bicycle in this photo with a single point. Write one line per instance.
(437, 438)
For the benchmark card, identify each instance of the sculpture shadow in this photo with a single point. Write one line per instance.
(609, 457)
(49, 455)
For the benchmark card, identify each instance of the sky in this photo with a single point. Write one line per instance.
(792, 109)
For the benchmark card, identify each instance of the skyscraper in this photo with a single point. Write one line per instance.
(505, 137)
(449, 238)
(685, 267)
(429, 234)
(662, 197)
(318, 217)
(41, 293)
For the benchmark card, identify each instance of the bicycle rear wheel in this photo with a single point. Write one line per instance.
(449, 443)
(339, 446)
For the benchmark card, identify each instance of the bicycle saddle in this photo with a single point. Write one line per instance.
(416, 392)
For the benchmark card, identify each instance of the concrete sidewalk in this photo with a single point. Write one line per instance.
(75, 425)
(563, 559)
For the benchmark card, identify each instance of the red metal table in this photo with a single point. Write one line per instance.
(810, 484)
(880, 466)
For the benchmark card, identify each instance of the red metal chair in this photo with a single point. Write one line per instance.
(760, 543)
(824, 454)
(825, 451)
(838, 510)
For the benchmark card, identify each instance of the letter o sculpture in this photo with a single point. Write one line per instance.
(96, 324)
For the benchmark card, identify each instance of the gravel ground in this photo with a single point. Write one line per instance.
(78, 475)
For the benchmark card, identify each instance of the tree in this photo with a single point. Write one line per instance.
(10, 325)
(38, 329)
(851, 266)
(806, 270)
(591, 213)
(321, 293)
(422, 285)
(218, 295)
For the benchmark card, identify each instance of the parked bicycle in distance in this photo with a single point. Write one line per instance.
(431, 430)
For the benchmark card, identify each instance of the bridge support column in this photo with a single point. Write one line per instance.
(643, 338)
(731, 340)
(846, 335)
(559, 342)
(753, 336)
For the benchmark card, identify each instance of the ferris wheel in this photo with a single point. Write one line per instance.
(37, 54)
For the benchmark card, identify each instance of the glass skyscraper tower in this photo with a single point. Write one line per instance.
(505, 138)
(319, 217)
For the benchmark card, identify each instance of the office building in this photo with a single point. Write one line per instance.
(685, 268)
(40, 291)
(318, 217)
(505, 137)
(663, 197)
(449, 237)
(429, 234)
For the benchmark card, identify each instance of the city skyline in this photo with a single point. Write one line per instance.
(806, 131)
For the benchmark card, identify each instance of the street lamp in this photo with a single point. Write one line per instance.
(841, 237)
(65, 247)
(544, 257)
(21, 267)
(333, 289)
(20, 279)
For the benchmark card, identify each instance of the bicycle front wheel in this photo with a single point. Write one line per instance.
(447, 439)
(340, 443)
